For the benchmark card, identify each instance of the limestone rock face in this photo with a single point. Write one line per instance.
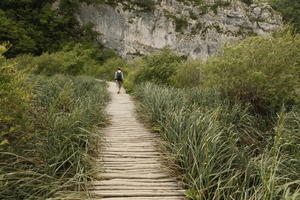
(191, 30)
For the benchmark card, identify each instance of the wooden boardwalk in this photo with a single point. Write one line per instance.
(132, 166)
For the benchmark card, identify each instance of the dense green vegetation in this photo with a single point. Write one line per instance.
(230, 124)
(48, 122)
(290, 10)
(73, 59)
(224, 151)
(158, 68)
(266, 76)
(47, 133)
(34, 26)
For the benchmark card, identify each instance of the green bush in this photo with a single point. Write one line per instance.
(33, 27)
(15, 105)
(37, 27)
(158, 68)
(72, 60)
(147, 5)
(248, 2)
(263, 71)
(188, 74)
(133, 68)
(107, 70)
(289, 9)
(180, 24)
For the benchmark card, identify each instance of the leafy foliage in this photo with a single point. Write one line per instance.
(188, 74)
(14, 103)
(147, 5)
(290, 10)
(248, 2)
(33, 26)
(266, 76)
(74, 59)
(107, 70)
(158, 68)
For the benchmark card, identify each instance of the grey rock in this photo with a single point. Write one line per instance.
(132, 32)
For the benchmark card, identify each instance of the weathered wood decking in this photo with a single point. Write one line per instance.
(133, 169)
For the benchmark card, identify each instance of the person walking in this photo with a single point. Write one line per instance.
(119, 78)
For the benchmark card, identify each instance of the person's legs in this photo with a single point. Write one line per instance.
(119, 85)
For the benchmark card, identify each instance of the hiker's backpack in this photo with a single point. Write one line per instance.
(119, 76)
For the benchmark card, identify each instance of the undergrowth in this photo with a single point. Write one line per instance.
(225, 151)
(48, 134)
(230, 124)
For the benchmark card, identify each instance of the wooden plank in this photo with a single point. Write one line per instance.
(133, 176)
(143, 198)
(130, 156)
(127, 151)
(136, 171)
(139, 193)
(131, 145)
(130, 182)
(137, 180)
(132, 159)
(132, 153)
(132, 166)
(134, 187)
(132, 149)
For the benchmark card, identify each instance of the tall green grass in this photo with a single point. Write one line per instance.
(224, 151)
(53, 159)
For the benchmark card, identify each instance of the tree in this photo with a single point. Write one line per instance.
(33, 26)
(290, 10)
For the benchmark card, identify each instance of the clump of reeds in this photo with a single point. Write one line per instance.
(55, 156)
(225, 151)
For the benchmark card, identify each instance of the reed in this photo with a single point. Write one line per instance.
(65, 115)
(224, 151)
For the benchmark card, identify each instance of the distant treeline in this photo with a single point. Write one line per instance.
(34, 26)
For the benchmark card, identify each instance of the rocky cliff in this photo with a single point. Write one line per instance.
(194, 30)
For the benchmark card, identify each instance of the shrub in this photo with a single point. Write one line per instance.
(248, 2)
(188, 74)
(15, 105)
(263, 71)
(133, 68)
(180, 24)
(107, 70)
(72, 60)
(19, 25)
(289, 10)
(147, 5)
(158, 68)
